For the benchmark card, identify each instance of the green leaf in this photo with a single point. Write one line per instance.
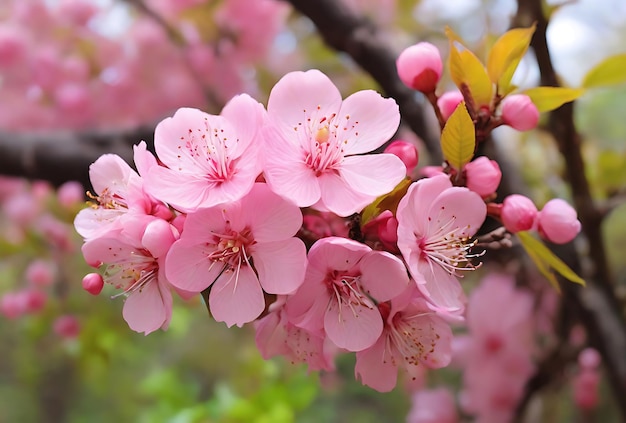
(505, 55)
(458, 139)
(388, 201)
(610, 71)
(466, 70)
(550, 98)
(547, 262)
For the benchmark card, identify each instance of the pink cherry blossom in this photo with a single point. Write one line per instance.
(316, 142)
(240, 249)
(433, 406)
(41, 272)
(66, 326)
(413, 335)
(208, 159)
(137, 267)
(276, 335)
(497, 355)
(120, 195)
(419, 67)
(435, 222)
(343, 282)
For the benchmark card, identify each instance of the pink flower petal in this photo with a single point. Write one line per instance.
(299, 96)
(280, 265)
(373, 174)
(430, 337)
(170, 131)
(246, 115)
(373, 121)
(440, 287)
(412, 210)
(335, 253)
(375, 367)
(383, 275)
(273, 218)
(236, 297)
(165, 184)
(110, 171)
(286, 172)
(339, 197)
(354, 326)
(188, 268)
(145, 310)
(466, 208)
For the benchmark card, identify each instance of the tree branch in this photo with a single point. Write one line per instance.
(64, 156)
(596, 305)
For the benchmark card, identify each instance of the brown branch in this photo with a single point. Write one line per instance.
(64, 156)
(355, 35)
(596, 305)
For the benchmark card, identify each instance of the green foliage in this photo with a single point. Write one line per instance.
(458, 139)
(547, 262)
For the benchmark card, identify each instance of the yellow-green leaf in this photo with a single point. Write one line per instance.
(506, 54)
(458, 139)
(385, 202)
(611, 71)
(547, 262)
(466, 69)
(550, 98)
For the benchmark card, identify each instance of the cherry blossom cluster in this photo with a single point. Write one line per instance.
(257, 204)
(35, 213)
(62, 66)
(283, 217)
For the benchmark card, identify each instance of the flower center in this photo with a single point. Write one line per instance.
(210, 149)
(346, 290)
(107, 200)
(450, 248)
(325, 151)
(132, 275)
(413, 339)
(232, 249)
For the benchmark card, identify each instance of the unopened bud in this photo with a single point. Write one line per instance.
(448, 102)
(93, 283)
(518, 213)
(483, 176)
(558, 222)
(519, 112)
(420, 66)
(406, 151)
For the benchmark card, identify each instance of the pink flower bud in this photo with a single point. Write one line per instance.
(589, 358)
(448, 102)
(518, 213)
(519, 112)
(93, 283)
(586, 389)
(12, 305)
(40, 273)
(67, 326)
(70, 194)
(34, 300)
(483, 176)
(384, 228)
(558, 222)
(420, 66)
(406, 151)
